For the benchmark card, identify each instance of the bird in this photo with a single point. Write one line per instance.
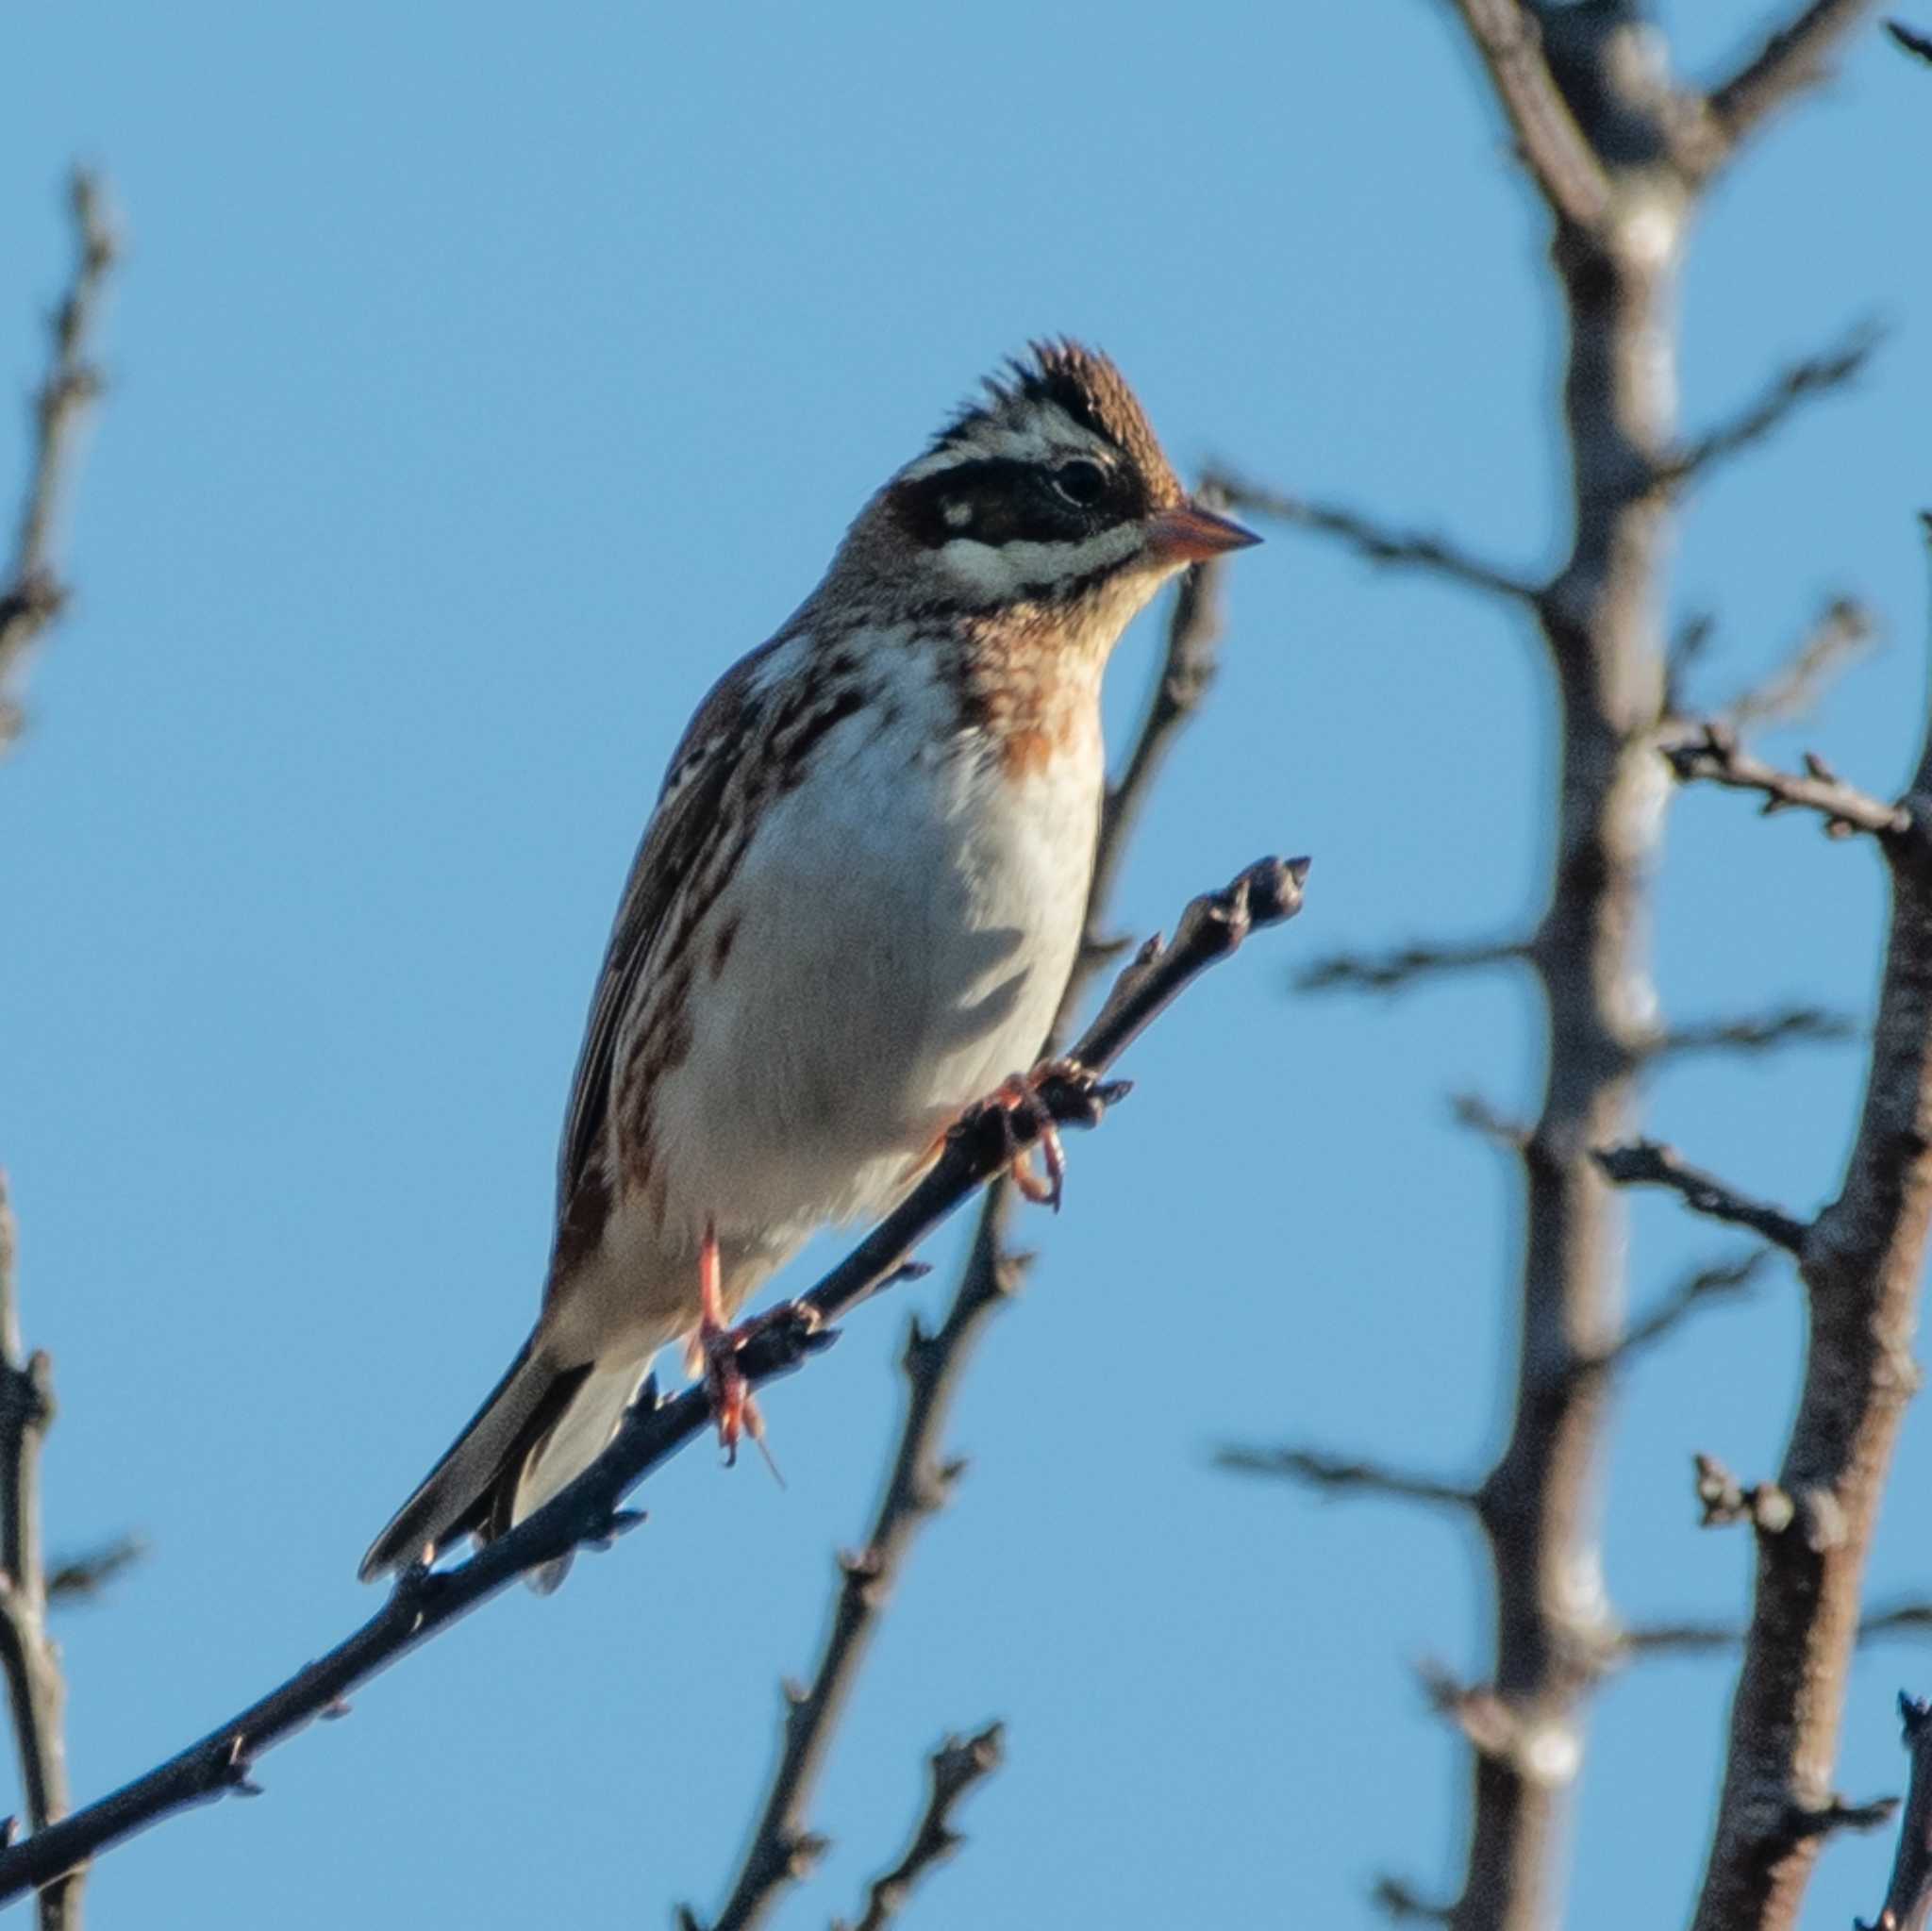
(852, 915)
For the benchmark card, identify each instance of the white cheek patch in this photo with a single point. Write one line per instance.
(1004, 570)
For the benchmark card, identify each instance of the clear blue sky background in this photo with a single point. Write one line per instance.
(481, 388)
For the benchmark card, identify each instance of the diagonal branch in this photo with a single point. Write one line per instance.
(781, 1847)
(1793, 59)
(1910, 39)
(1711, 755)
(1558, 155)
(31, 593)
(590, 1512)
(1781, 398)
(1649, 1163)
(954, 1767)
(1377, 542)
(1838, 633)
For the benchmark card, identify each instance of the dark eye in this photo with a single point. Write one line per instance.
(1084, 483)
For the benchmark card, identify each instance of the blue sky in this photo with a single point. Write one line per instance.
(482, 385)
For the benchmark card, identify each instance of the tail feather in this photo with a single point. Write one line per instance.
(459, 1494)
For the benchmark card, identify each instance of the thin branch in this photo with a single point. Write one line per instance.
(1793, 59)
(36, 1692)
(1188, 669)
(1394, 971)
(1719, 1281)
(1377, 541)
(588, 1512)
(1910, 1617)
(1649, 1163)
(1909, 1896)
(1839, 634)
(1788, 391)
(1479, 1116)
(31, 593)
(1710, 754)
(1557, 155)
(1724, 1500)
(956, 1766)
(1910, 39)
(781, 1847)
(84, 1577)
(1906, 1618)
(1764, 1032)
(1341, 1475)
(1399, 1902)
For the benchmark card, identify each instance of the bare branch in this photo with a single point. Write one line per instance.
(955, 1768)
(1909, 1896)
(1911, 40)
(1340, 1476)
(1391, 971)
(1724, 1500)
(1791, 61)
(31, 593)
(1718, 1281)
(1187, 671)
(1557, 157)
(1399, 1901)
(83, 1577)
(1910, 1617)
(1837, 635)
(1377, 541)
(1801, 382)
(36, 1692)
(1710, 754)
(1649, 1163)
(1474, 1112)
(588, 1512)
(1784, 1026)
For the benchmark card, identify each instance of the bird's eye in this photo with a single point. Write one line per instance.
(1079, 482)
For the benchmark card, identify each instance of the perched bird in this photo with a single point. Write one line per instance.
(851, 917)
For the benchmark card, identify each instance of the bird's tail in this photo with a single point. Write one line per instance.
(481, 1486)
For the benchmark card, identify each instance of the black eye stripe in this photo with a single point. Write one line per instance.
(1000, 499)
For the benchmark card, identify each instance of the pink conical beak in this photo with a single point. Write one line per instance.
(1192, 535)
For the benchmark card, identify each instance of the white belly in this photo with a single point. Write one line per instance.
(902, 928)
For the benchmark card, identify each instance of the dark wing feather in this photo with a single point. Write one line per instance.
(688, 807)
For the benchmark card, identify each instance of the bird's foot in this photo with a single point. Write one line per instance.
(1018, 1094)
(714, 1349)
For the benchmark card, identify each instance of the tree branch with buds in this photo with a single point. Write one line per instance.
(590, 1513)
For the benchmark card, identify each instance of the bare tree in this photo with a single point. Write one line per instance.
(1620, 151)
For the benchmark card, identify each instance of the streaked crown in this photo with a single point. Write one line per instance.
(1050, 488)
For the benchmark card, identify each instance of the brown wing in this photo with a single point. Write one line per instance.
(679, 830)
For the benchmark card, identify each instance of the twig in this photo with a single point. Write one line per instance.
(1479, 1115)
(1342, 1476)
(1913, 1618)
(1803, 381)
(36, 1691)
(588, 1512)
(82, 1578)
(1392, 972)
(1724, 1500)
(1839, 632)
(1909, 1896)
(780, 1847)
(1792, 59)
(1399, 1901)
(1555, 153)
(1710, 754)
(1706, 1284)
(954, 1767)
(1649, 1163)
(1377, 541)
(31, 593)
(1910, 39)
(1785, 1026)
